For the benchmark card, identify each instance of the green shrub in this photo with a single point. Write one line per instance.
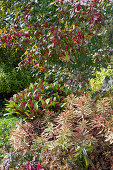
(38, 99)
(96, 83)
(11, 57)
(62, 76)
(13, 81)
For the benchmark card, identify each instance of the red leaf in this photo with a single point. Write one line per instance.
(38, 167)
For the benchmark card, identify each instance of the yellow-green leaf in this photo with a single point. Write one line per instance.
(77, 154)
(86, 161)
(1, 31)
(4, 45)
(66, 58)
(26, 52)
(4, 30)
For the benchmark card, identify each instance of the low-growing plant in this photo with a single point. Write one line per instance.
(6, 124)
(37, 100)
(69, 140)
(22, 137)
(30, 166)
(13, 160)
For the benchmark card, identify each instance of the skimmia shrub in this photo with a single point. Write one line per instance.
(37, 99)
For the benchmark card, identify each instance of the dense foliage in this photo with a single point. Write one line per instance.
(37, 100)
(60, 32)
(75, 132)
(100, 76)
(54, 57)
(13, 80)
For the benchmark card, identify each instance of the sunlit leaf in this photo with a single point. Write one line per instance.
(36, 106)
(26, 52)
(47, 100)
(1, 31)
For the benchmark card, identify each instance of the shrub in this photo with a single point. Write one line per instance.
(64, 77)
(10, 57)
(96, 83)
(13, 81)
(36, 100)
(68, 140)
(22, 137)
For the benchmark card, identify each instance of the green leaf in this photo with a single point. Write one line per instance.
(42, 101)
(7, 114)
(62, 21)
(77, 154)
(58, 97)
(27, 113)
(12, 103)
(8, 10)
(36, 106)
(63, 104)
(53, 103)
(47, 100)
(86, 160)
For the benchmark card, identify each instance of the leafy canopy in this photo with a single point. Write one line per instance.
(65, 33)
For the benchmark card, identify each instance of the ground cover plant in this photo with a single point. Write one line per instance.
(6, 124)
(62, 120)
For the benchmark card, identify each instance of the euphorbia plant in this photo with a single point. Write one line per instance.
(69, 139)
(37, 100)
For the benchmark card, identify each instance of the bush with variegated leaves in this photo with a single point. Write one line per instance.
(71, 140)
